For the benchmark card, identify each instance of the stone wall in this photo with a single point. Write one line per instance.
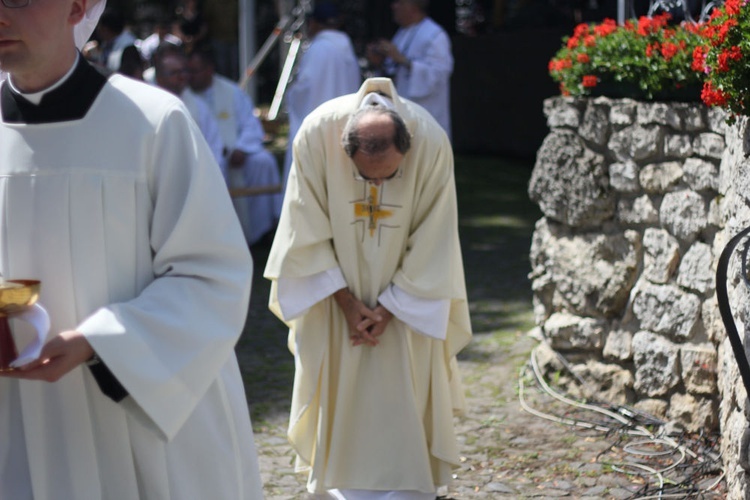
(638, 202)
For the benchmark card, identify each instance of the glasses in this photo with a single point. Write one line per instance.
(16, 4)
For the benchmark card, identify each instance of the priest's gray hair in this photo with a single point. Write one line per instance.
(352, 141)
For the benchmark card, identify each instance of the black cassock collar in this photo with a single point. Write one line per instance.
(70, 101)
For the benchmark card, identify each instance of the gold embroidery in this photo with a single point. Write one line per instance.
(371, 209)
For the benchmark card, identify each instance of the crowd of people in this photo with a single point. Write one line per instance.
(114, 194)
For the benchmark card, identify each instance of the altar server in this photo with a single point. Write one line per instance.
(110, 196)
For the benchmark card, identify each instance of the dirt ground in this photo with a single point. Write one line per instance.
(506, 451)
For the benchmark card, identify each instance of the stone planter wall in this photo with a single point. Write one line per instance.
(638, 202)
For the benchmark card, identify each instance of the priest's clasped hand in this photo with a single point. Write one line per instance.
(365, 324)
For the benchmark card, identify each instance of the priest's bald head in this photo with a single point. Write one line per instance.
(37, 44)
(376, 139)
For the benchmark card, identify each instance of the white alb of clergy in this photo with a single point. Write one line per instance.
(110, 196)
(240, 129)
(427, 46)
(372, 418)
(327, 69)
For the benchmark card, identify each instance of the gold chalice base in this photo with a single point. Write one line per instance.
(15, 296)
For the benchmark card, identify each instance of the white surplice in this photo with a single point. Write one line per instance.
(125, 219)
(427, 83)
(327, 69)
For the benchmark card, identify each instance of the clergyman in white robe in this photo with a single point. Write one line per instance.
(327, 69)
(240, 129)
(110, 196)
(369, 420)
(427, 82)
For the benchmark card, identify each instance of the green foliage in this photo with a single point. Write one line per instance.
(645, 59)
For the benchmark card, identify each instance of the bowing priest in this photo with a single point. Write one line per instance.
(110, 196)
(366, 271)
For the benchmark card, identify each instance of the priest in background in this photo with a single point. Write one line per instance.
(110, 196)
(366, 271)
(327, 69)
(418, 58)
(245, 160)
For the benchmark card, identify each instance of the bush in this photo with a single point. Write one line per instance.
(645, 59)
(724, 58)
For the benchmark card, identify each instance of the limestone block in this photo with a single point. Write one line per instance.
(694, 414)
(699, 367)
(622, 112)
(618, 346)
(660, 177)
(709, 145)
(562, 112)
(678, 146)
(717, 120)
(605, 382)
(659, 113)
(667, 310)
(714, 217)
(595, 127)
(653, 407)
(610, 262)
(712, 319)
(570, 182)
(661, 254)
(701, 175)
(683, 213)
(696, 270)
(656, 362)
(623, 177)
(637, 142)
(567, 331)
(694, 118)
(640, 210)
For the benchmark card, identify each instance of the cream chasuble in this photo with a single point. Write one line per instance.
(125, 219)
(372, 418)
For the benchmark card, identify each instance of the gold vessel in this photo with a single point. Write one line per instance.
(15, 296)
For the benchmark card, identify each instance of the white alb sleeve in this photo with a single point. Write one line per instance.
(297, 295)
(426, 316)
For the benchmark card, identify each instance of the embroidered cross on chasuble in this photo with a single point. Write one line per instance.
(371, 209)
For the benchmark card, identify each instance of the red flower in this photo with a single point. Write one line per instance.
(581, 30)
(669, 50)
(712, 96)
(733, 53)
(583, 58)
(589, 40)
(607, 27)
(699, 58)
(589, 81)
(732, 7)
(650, 48)
(572, 43)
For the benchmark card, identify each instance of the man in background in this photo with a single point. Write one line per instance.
(246, 161)
(327, 69)
(419, 59)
